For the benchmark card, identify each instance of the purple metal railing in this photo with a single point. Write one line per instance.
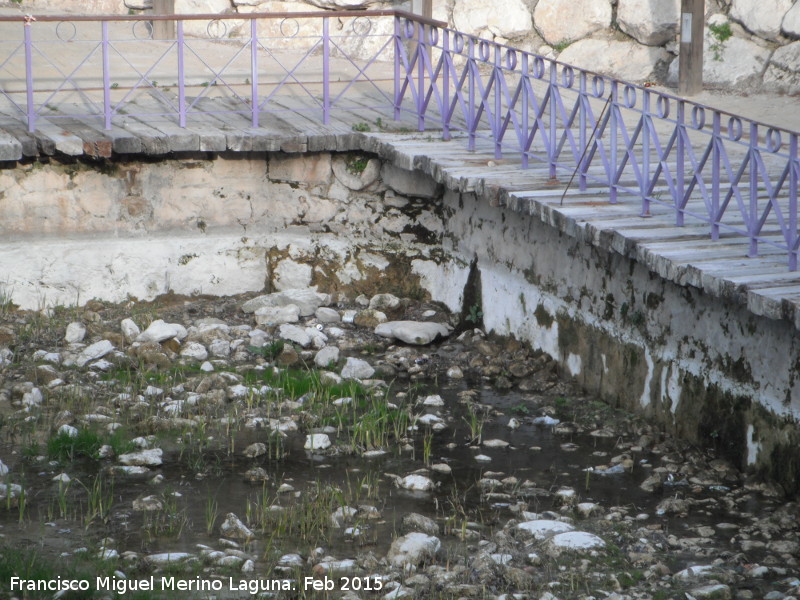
(675, 156)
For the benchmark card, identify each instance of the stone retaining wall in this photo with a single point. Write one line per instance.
(358, 223)
(750, 45)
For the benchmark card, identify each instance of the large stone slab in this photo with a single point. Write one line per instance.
(564, 21)
(418, 333)
(627, 60)
(307, 301)
(762, 17)
(651, 23)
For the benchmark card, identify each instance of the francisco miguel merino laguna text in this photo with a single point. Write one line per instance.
(152, 583)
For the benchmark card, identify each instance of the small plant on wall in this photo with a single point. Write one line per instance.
(720, 33)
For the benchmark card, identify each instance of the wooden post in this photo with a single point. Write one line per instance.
(163, 30)
(423, 8)
(690, 65)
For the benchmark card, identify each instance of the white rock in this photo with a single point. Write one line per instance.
(623, 59)
(560, 21)
(295, 334)
(344, 566)
(75, 333)
(412, 332)
(158, 331)
(740, 66)
(68, 430)
(327, 315)
(384, 302)
(207, 367)
(474, 16)
(541, 529)
(412, 549)
(356, 368)
(147, 458)
(194, 351)
(483, 458)
(306, 299)
(277, 315)
(60, 478)
(317, 441)
(651, 23)
(455, 373)
(219, 348)
(326, 356)
(318, 338)
(433, 400)
(791, 22)
(93, 352)
(255, 450)
(762, 17)
(32, 398)
(416, 483)
(495, 443)
(232, 527)
(573, 541)
(783, 73)
(3, 469)
(166, 558)
(148, 503)
(130, 330)
(291, 275)
(694, 573)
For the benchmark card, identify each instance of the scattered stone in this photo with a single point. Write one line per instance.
(542, 529)
(255, 450)
(421, 523)
(307, 301)
(327, 315)
(317, 441)
(356, 368)
(144, 458)
(412, 549)
(148, 503)
(277, 315)
(232, 527)
(93, 352)
(419, 333)
(159, 331)
(295, 334)
(416, 483)
(130, 330)
(75, 333)
(573, 541)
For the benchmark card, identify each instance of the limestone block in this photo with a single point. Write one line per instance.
(650, 23)
(626, 60)
(783, 72)
(762, 17)
(409, 183)
(290, 275)
(791, 22)
(313, 169)
(741, 64)
(474, 16)
(560, 21)
(354, 174)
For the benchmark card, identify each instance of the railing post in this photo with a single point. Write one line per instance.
(398, 48)
(421, 52)
(751, 156)
(106, 77)
(472, 126)
(794, 176)
(326, 75)
(614, 142)
(553, 116)
(680, 166)
(645, 183)
(254, 102)
(498, 106)
(31, 109)
(446, 62)
(715, 174)
(583, 141)
(181, 78)
(525, 99)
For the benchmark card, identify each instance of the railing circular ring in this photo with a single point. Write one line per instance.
(62, 33)
(359, 28)
(148, 29)
(458, 43)
(567, 77)
(774, 140)
(284, 27)
(698, 117)
(598, 86)
(433, 36)
(538, 67)
(217, 29)
(511, 59)
(662, 107)
(483, 51)
(629, 94)
(409, 29)
(734, 129)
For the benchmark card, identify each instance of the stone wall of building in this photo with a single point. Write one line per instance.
(750, 45)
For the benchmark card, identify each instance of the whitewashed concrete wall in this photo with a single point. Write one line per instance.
(634, 40)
